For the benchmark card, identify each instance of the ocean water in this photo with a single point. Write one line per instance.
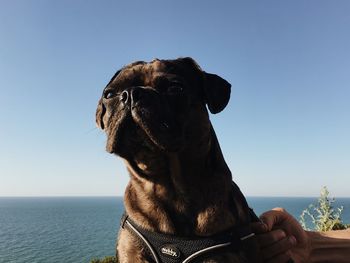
(78, 229)
(62, 230)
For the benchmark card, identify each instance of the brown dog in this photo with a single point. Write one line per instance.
(155, 118)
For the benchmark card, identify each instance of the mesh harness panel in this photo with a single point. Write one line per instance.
(167, 248)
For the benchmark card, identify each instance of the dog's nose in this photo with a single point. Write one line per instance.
(131, 95)
(124, 96)
(135, 94)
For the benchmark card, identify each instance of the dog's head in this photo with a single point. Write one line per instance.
(159, 106)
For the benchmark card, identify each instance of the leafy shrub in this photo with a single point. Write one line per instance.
(323, 215)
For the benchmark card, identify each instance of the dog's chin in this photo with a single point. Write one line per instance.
(134, 133)
(162, 132)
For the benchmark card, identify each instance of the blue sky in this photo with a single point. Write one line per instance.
(285, 131)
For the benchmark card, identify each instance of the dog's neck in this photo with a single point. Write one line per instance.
(191, 198)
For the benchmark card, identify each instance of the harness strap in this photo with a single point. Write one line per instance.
(166, 248)
(126, 223)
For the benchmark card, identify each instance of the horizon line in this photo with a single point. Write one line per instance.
(121, 196)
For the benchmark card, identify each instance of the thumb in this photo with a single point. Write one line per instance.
(273, 217)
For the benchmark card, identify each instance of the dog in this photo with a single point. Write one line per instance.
(155, 117)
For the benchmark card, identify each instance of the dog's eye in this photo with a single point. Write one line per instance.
(109, 94)
(174, 90)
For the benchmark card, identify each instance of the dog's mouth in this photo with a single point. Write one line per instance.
(144, 129)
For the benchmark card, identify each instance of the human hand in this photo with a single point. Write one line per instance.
(281, 237)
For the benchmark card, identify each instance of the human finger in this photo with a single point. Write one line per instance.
(269, 238)
(281, 258)
(279, 209)
(259, 227)
(273, 217)
(280, 247)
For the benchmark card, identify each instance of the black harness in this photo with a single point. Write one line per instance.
(167, 248)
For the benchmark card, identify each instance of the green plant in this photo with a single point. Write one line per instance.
(105, 260)
(323, 215)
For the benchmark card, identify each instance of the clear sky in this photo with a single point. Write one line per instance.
(285, 131)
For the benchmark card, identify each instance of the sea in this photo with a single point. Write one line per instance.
(79, 229)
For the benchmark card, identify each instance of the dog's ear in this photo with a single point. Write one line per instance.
(217, 92)
(100, 112)
(101, 109)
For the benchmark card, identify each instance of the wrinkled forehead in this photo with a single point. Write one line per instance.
(144, 73)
